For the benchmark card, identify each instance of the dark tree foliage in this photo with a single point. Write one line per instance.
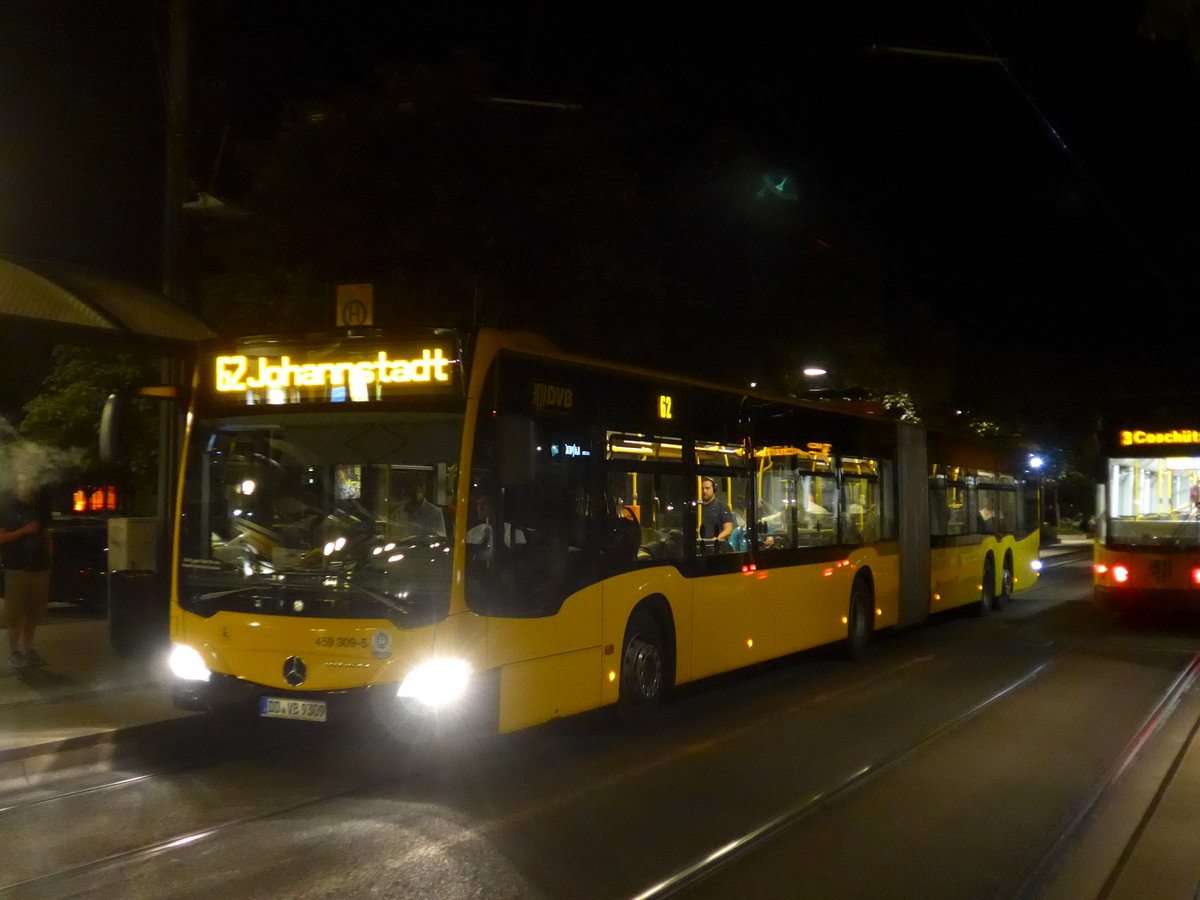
(625, 230)
(459, 209)
(66, 414)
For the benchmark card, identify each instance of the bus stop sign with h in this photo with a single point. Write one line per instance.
(355, 305)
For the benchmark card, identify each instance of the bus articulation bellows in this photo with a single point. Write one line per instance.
(439, 519)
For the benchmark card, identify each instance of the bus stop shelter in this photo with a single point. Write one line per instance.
(53, 303)
(69, 304)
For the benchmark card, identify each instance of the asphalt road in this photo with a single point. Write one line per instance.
(946, 764)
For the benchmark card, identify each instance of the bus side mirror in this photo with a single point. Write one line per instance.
(516, 449)
(114, 417)
(112, 421)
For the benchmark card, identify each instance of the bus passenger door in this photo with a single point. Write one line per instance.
(734, 615)
(644, 550)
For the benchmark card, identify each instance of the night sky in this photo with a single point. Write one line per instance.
(1040, 209)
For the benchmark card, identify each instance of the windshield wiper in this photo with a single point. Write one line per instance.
(275, 589)
(382, 598)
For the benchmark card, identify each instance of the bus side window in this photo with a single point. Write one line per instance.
(817, 503)
(646, 519)
(947, 507)
(777, 508)
(1006, 510)
(528, 544)
(985, 510)
(860, 511)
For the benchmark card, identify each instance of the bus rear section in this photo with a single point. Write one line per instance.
(1147, 549)
(984, 510)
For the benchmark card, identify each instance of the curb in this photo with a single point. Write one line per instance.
(37, 766)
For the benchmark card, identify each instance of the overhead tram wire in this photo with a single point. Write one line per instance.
(1073, 158)
(992, 58)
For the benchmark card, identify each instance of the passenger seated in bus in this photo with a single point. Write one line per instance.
(414, 514)
(668, 545)
(716, 519)
(624, 539)
(771, 527)
(814, 517)
(739, 540)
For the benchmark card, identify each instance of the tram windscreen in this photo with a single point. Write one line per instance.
(312, 514)
(1153, 501)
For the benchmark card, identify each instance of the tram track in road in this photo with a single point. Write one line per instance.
(46, 884)
(1042, 873)
(686, 879)
(215, 742)
(679, 881)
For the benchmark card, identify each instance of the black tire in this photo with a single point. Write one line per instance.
(1006, 584)
(645, 670)
(987, 593)
(860, 620)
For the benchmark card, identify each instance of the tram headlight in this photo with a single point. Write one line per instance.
(187, 664)
(437, 683)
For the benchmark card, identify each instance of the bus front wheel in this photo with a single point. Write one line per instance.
(643, 661)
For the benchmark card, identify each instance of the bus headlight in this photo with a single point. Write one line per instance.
(436, 683)
(186, 663)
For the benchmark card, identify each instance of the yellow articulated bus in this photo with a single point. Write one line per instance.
(440, 522)
(1147, 548)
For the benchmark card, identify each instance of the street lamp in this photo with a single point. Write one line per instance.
(812, 373)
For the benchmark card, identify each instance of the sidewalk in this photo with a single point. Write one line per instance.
(71, 711)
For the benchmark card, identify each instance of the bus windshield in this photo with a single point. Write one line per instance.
(307, 514)
(1154, 501)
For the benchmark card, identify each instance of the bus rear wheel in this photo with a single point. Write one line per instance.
(643, 661)
(1006, 584)
(987, 591)
(860, 621)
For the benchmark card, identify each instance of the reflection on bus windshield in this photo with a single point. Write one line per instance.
(353, 515)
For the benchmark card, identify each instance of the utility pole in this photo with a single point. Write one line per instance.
(175, 188)
(173, 367)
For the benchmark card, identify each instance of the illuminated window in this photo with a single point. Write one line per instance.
(644, 447)
(714, 453)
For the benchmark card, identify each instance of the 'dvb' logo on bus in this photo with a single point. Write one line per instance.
(552, 398)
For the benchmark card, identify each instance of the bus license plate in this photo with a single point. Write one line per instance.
(283, 708)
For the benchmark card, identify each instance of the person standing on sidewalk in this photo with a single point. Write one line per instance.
(25, 552)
